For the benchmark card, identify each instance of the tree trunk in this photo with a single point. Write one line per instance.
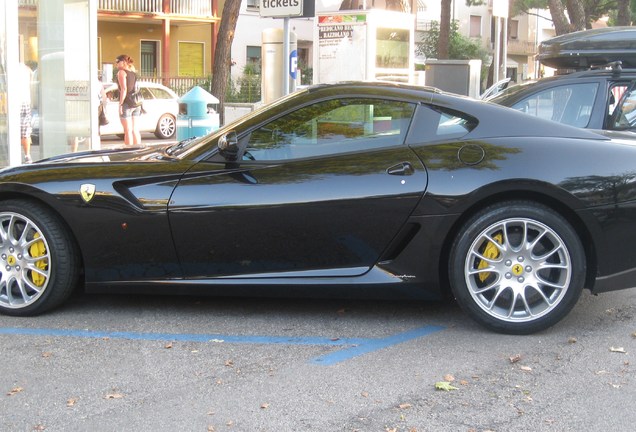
(223, 52)
(560, 20)
(444, 30)
(624, 13)
(576, 12)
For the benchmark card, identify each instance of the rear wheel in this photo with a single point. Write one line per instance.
(517, 267)
(38, 261)
(166, 127)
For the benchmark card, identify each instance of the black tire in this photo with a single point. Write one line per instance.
(517, 267)
(39, 260)
(166, 127)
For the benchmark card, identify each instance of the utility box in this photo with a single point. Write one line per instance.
(455, 76)
(197, 114)
(272, 64)
(360, 45)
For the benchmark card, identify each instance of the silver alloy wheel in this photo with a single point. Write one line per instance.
(167, 126)
(518, 270)
(25, 261)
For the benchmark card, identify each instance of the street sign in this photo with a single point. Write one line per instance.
(281, 8)
(500, 8)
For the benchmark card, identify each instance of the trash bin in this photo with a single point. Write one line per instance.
(197, 114)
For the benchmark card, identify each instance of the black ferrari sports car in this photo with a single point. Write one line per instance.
(353, 189)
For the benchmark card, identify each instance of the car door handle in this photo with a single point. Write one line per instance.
(403, 168)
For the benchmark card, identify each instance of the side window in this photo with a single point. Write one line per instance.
(434, 123)
(616, 92)
(454, 125)
(145, 92)
(331, 127)
(625, 114)
(160, 93)
(570, 104)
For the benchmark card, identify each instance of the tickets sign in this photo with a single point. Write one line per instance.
(281, 8)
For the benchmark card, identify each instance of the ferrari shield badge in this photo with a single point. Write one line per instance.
(87, 191)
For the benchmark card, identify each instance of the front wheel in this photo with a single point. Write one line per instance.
(166, 127)
(517, 267)
(38, 260)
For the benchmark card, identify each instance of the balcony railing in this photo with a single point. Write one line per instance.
(181, 85)
(190, 8)
(151, 6)
(521, 47)
(199, 8)
(517, 47)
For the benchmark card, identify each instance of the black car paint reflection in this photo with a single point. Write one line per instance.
(366, 204)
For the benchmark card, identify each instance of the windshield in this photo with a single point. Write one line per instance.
(509, 92)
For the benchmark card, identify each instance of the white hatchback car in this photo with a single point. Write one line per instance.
(159, 115)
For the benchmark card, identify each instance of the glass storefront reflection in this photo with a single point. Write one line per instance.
(50, 69)
(4, 132)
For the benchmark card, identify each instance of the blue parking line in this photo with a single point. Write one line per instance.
(353, 347)
(370, 345)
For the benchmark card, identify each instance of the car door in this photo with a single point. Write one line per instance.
(321, 192)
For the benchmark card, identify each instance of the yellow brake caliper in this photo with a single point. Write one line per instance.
(491, 252)
(38, 249)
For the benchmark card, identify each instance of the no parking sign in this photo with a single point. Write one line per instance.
(293, 64)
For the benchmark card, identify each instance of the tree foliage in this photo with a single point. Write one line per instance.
(624, 15)
(459, 47)
(574, 15)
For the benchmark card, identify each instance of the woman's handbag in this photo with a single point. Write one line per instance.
(136, 97)
(103, 120)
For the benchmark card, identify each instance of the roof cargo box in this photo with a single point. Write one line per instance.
(587, 48)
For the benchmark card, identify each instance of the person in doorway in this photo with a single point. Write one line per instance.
(25, 76)
(128, 112)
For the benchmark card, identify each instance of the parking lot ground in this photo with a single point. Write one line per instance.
(114, 363)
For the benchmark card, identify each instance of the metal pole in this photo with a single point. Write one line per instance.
(286, 56)
(497, 66)
(504, 49)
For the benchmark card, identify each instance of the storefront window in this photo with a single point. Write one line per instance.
(392, 48)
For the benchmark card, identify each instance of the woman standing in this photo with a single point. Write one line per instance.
(128, 112)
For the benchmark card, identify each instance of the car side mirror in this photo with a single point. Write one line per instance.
(229, 146)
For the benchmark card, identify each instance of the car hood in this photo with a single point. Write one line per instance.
(154, 153)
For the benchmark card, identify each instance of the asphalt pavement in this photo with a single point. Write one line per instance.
(166, 363)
